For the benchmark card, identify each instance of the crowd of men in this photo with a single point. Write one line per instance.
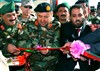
(49, 28)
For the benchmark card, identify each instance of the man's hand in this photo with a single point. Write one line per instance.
(44, 51)
(63, 49)
(13, 49)
(81, 58)
(94, 26)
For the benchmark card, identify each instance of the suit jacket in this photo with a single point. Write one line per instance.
(93, 39)
(68, 33)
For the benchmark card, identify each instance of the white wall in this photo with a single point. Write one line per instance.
(40, 1)
(72, 2)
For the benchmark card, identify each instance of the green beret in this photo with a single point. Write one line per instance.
(43, 7)
(64, 4)
(8, 7)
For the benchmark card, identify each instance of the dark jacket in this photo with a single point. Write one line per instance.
(94, 40)
(68, 33)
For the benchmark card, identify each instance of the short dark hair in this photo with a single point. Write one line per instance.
(76, 6)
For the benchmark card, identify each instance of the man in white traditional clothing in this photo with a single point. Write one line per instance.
(3, 63)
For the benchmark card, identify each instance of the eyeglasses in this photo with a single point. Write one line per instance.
(30, 7)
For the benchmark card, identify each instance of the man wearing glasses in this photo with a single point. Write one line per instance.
(26, 8)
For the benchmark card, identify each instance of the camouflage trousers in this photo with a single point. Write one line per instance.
(42, 66)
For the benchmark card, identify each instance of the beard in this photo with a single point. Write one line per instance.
(78, 23)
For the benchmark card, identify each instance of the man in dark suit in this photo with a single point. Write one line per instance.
(93, 40)
(69, 33)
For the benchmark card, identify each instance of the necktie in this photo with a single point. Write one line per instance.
(78, 30)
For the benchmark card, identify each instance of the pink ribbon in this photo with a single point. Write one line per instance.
(78, 48)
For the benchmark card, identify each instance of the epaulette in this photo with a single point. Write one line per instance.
(2, 27)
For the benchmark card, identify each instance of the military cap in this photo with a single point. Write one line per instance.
(8, 7)
(43, 7)
(81, 1)
(64, 4)
(26, 2)
(93, 9)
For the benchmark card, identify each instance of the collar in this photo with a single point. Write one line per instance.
(48, 25)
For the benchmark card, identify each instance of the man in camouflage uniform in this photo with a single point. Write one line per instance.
(95, 19)
(8, 25)
(10, 29)
(46, 34)
(12, 33)
(26, 19)
(93, 12)
(26, 8)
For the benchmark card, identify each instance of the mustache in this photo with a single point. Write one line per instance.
(63, 15)
(77, 21)
(80, 20)
(12, 20)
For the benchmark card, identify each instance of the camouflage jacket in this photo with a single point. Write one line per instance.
(45, 36)
(8, 34)
(29, 20)
(30, 35)
(95, 20)
(17, 35)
